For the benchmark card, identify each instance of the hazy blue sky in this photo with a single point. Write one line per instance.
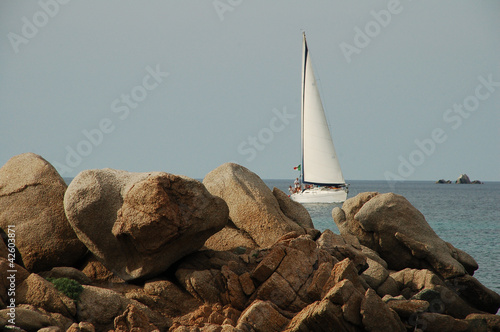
(411, 88)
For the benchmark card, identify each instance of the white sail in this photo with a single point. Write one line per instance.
(320, 164)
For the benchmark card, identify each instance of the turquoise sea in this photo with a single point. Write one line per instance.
(466, 215)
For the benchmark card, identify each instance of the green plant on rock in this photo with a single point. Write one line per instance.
(69, 287)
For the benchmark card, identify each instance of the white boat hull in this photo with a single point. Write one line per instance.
(320, 195)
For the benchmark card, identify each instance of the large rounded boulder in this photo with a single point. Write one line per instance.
(392, 226)
(253, 208)
(138, 224)
(32, 213)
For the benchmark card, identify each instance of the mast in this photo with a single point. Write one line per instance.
(304, 59)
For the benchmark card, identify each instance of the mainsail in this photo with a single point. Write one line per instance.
(320, 164)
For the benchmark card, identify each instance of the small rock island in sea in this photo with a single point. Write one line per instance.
(162, 252)
(462, 179)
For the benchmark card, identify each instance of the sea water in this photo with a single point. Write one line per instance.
(466, 215)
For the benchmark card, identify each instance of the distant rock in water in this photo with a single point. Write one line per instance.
(463, 179)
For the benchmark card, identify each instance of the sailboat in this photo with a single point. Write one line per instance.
(321, 179)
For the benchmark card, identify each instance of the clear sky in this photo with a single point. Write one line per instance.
(411, 88)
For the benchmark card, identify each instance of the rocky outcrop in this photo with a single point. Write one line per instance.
(102, 307)
(463, 178)
(95, 271)
(81, 327)
(407, 308)
(166, 297)
(210, 317)
(26, 319)
(138, 224)
(230, 238)
(387, 271)
(475, 293)
(425, 285)
(296, 285)
(40, 293)
(377, 316)
(423, 266)
(253, 208)
(262, 313)
(31, 206)
(390, 225)
(133, 319)
(486, 322)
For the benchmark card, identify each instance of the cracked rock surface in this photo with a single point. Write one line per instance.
(138, 224)
(390, 225)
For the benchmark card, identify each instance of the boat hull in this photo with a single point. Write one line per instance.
(320, 195)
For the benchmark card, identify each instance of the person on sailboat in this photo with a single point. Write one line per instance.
(297, 185)
(290, 189)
